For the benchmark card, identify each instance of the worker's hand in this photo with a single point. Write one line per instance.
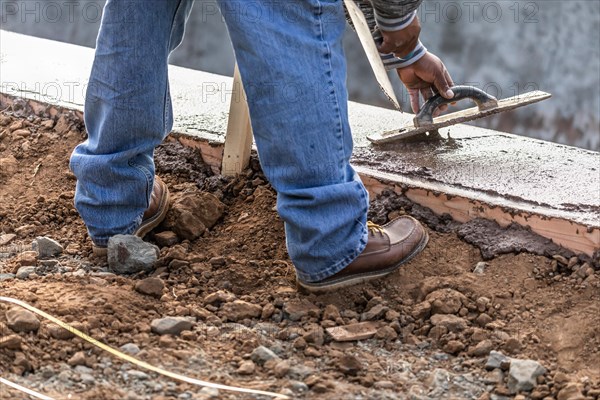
(422, 77)
(401, 43)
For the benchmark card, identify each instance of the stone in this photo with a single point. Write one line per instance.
(421, 310)
(27, 259)
(315, 335)
(128, 254)
(480, 268)
(571, 391)
(349, 364)
(12, 342)
(209, 393)
(375, 312)
(166, 238)
(483, 319)
(20, 320)
(262, 354)
(238, 310)
(139, 375)
(386, 333)
(297, 309)
(150, 287)
(24, 272)
(522, 375)
(7, 277)
(77, 359)
(171, 325)
(60, 333)
(497, 360)
(247, 367)
(451, 322)
(281, 368)
(481, 349)
(218, 297)
(194, 213)
(47, 247)
(130, 348)
(454, 347)
(446, 301)
(512, 345)
(331, 313)
(7, 238)
(352, 332)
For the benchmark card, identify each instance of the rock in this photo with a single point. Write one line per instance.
(281, 368)
(77, 359)
(128, 254)
(218, 297)
(446, 301)
(12, 342)
(497, 360)
(20, 320)
(60, 333)
(194, 213)
(170, 325)
(130, 348)
(139, 375)
(349, 365)
(47, 247)
(352, 332)
(421, 310)
(297, 309)
(481, 349)
(480, 268)
(209, 393)
(150, 287)
(7, 238)
(375, 312)
(522, 375)
(454, 347)
(483, 319)
(512, 345)
(238, 310)
(166, 238)
(438, 382)
(315, 335)
(7, 277)
(27, 259)
(298, 387)
(572, 391)
(451, 322)
(331, 313)
(262, 354)
(24, 272)
(386, 333)
(246, 368)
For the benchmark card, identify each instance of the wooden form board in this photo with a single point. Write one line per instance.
(238, 140)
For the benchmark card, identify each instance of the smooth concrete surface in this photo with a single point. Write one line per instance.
(517, 175)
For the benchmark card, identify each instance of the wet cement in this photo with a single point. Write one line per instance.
(490, 238)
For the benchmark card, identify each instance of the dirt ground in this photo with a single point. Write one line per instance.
(237, 285)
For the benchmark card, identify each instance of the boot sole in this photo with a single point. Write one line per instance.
(364, 277)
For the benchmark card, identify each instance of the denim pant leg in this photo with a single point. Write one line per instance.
(127, 113)
(294, 71)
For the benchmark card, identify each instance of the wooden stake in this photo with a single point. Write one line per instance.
(238, 140)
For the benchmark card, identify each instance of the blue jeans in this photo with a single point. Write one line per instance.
(294, 71)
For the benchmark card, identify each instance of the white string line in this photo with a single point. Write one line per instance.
(24, 389)
(135, 361)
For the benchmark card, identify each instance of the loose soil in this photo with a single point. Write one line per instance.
(524, 305)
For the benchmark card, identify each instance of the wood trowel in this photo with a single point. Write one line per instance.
(424, 121)
(486, 105)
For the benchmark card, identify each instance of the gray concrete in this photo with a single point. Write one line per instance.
(551, 45)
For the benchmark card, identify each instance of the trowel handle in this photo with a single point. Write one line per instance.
(483, 100)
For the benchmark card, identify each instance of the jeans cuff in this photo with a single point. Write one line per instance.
(102, 241)
(340, 265)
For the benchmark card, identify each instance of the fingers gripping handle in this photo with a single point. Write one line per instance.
(483, 100)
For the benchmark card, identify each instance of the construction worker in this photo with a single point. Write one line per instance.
(304, 143)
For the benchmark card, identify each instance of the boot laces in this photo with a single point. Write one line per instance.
(374, 228)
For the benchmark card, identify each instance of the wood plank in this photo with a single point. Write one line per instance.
(238, 141)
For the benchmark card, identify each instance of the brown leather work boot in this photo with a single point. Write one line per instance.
(389, 247)
(153, 216)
